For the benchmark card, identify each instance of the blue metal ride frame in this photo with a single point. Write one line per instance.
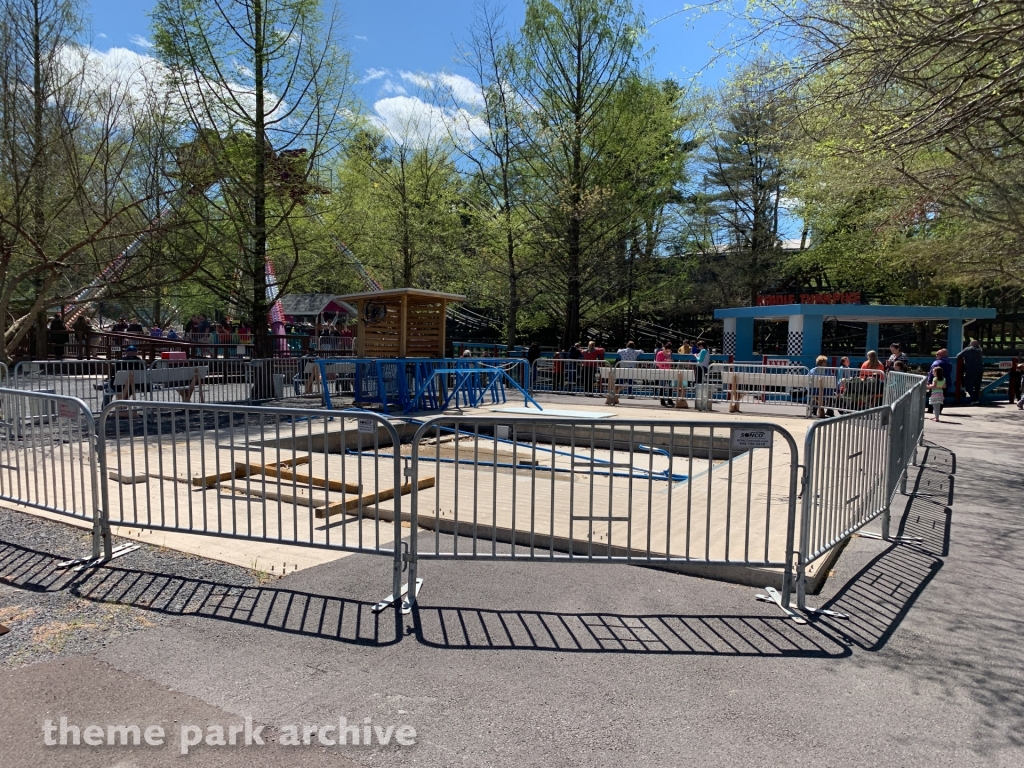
(468, 385)
(424, 381)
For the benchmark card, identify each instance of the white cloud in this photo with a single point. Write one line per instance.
(132, 83)
(391, 87)
(411, 120)
(464, 90)
(361, 37)
(101, 36)
(375, 74)
(423, 81)
(140, 41)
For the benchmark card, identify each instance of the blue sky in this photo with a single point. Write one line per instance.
(421, 36)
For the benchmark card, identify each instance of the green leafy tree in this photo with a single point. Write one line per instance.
(745, 179)
(576, 54)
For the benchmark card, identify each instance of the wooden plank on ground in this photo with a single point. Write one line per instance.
(288, 462)
(206, 481)
(262, 492)
(280, 473)
(385, 494)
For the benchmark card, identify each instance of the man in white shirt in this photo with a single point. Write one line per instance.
(627, 359)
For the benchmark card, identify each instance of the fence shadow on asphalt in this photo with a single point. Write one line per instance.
(266, 607)
(881, 594)
(877, 599)
(476, 629)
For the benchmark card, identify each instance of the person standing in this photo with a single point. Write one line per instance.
(83, 330)
(663, 362)
(973, 360)
(558, 371)
(818, 395)
(685, 348)
(628, 356)
(937, 391)
(532, 356)
(572, 366)
(57, 333)
(703, 361)
(896, 356)
(590, 357)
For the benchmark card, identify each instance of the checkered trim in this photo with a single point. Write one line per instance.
(729, 343)
(795, 343)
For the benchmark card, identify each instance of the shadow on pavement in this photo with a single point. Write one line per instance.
(472, 628)
(881, 594)
(282, 610)
(877, 599)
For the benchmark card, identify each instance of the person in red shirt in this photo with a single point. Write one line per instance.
(873, 370)
(871, 364)
(663, 361)
(590, 357)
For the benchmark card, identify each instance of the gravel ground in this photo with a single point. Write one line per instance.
(52, 613)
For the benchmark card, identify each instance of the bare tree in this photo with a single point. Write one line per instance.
(265, 87)
(492, 139)
(67, 184)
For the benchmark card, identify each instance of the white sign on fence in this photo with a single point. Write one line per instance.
(66, 410)
(746, 438)
(368, 425)
(1005, 365)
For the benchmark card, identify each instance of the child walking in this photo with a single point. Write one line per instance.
(937, 388)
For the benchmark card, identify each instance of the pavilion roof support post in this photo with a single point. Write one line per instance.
(812, 339)
(955, 336)
(403, 326)
(744, 339)
(729, 336)
(444, 328)
(795, 337)
(872, 339)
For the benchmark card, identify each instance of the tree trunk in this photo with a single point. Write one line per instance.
(513, 289)
(263, 383)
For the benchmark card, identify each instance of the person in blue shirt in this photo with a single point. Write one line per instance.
(703, 361)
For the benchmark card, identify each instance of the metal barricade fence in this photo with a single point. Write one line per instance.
(757, 383)
(222, 380)
(844, 390)
(647, 492)
(898, 384)
(846, 467)
(82, 379)
(283, 475)
(335, 344)
(853, 466)
(905, 432)
(47, 455)
(640, 378)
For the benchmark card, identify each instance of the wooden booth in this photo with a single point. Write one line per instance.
(404, 322)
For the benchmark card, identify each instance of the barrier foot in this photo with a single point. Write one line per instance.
(390, 600)
(773, 596)
(82, 563)
(893, 539)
